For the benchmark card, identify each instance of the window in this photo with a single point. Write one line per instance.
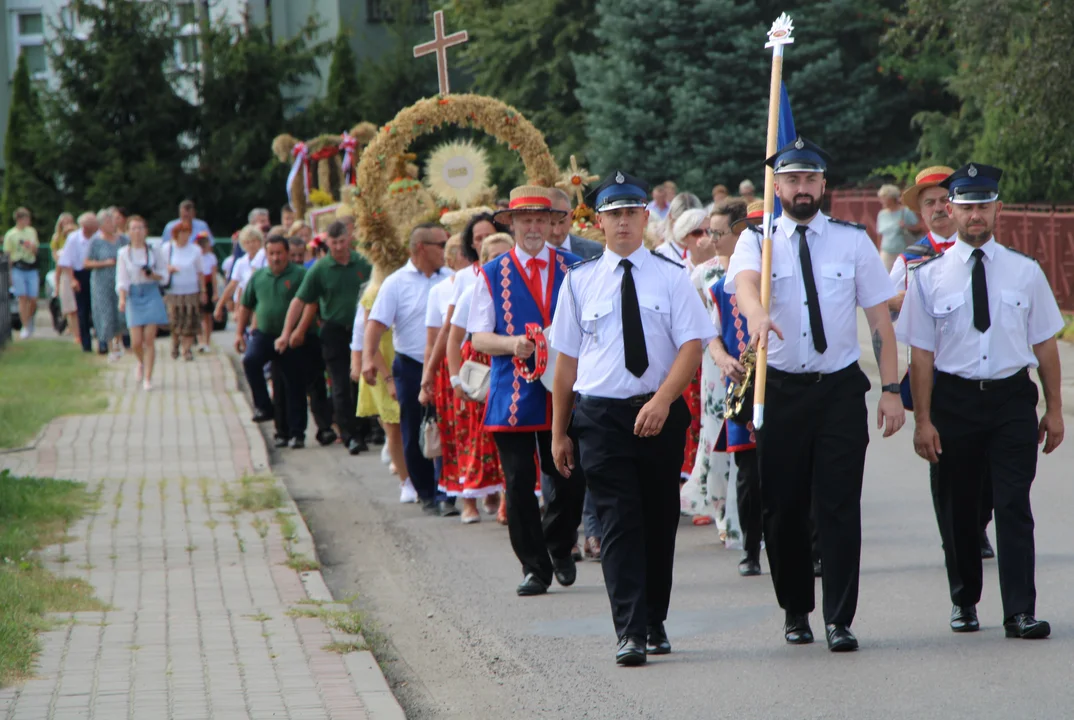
(185, 19)
(28, 37)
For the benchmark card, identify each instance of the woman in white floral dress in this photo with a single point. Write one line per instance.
(705, 494)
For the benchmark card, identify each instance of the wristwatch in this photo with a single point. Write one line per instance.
(893, 388)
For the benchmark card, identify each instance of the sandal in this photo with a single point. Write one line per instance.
(175, 353)
(188, 356)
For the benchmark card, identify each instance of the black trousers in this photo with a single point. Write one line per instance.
(82, 304)
(316, 389)
(750, 507)
(986, 503)
(634, 483)
(532, 539)
(336, 351)
(287, 382)
(812, 447)
(988, 435)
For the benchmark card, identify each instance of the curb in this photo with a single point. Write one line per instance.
(366, 676)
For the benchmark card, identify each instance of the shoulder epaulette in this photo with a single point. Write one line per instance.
(919, 251)
(837, 221)
(920, 265)
(1019, 252)
(583, 262)
(666, 259)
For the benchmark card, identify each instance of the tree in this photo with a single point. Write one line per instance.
(25, 183)
(680, 90)
(343, 98)
(122, 132)
(242, 88)
(520, 53)
(1006, 66)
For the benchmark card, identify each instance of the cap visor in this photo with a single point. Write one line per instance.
(974, 197)
(621, 204)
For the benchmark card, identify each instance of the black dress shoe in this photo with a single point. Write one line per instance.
(576, 553)
(430, 507)
(355, 447)
(298, 443)
(840, 639)
(631, 652)
(964, 619)
(796, 629)
(280, 442)
(1027, 627)
(566, 570)
(261, 416)
(326, 436)
(817, 568)
(531, 585)
(657, 643)
(376, 437)
(987, 553)
(447, 509)
(749, 567)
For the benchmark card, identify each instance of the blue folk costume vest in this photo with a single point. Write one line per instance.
(514, 405)
(736, 337)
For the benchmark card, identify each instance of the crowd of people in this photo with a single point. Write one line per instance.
(575, 391)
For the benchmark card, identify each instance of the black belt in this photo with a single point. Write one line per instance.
(811, 378)
(984, 385)
(637, 401)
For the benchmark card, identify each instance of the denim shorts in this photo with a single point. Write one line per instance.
(25, 283)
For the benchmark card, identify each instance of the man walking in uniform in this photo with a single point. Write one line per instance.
(629, 333)
(816, 424)
(517, 290)
(981, 315)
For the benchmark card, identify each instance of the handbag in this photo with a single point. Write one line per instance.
(475, 378)
(429, 438)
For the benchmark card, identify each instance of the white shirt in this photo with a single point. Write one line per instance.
(464, 280)
(401, 305)
(937, 314)
(462, 311)
(588, 323)
(483, 311)
(673, 252)
(848, 273)
(898, 275)
(358, 333)
(187, 260)
(208, 262)
(130, 263)
(74, 251)
(439, 298)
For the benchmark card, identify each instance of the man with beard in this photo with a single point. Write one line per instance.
(517, 290)
(813, 441)
(979, 316)
(929, 201)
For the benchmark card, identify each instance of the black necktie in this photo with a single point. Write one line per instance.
(981, 319)
(637, 359)
(816, 324)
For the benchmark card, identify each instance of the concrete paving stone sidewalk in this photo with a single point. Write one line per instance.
(199, 595)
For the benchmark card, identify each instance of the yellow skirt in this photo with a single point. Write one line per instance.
(376, 401)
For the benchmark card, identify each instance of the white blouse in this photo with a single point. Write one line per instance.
(132, 260)
(187, 260)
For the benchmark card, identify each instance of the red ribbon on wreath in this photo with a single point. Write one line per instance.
(348, 145)
(535, 334)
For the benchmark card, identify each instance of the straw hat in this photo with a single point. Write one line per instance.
(754, 216)
(530, 198)
(929, 177)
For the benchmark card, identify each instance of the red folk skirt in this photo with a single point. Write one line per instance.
(692, 396)
(451, 432)
(479, 462)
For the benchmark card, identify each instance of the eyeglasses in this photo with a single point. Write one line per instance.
(717, 233)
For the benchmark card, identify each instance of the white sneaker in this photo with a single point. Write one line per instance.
(114, 357)
(147, 385)
(24, 333)
(408, 494)
(203, 349)
(385, 456)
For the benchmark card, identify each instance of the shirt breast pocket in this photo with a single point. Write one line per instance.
(654, 307)
(1014, 309)
(838, 281)
(595, 317)
(947, 310)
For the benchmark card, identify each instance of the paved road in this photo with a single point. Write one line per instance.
(460, 644)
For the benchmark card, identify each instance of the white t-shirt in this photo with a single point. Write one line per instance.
(208, 263)
(439, 299)
(187, 260)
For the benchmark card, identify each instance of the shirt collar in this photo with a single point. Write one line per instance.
(790, 227)
(411, 267)
(524, 257)
(964, 250)
(637, 258)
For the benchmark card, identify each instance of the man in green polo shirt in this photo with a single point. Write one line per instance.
(332, 287)
(268, 295)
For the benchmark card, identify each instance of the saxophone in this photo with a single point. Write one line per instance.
(738, 403)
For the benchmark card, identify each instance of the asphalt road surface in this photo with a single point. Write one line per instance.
(460, 644)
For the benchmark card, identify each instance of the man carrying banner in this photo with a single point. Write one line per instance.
(814, 438)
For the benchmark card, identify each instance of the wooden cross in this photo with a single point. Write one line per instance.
(440, 46)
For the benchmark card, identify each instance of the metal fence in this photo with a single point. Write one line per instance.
(5, 302)
(1042, 231)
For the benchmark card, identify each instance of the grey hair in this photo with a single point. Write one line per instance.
(682, 202)
(560, 194)
(254, 213)
(890, 192)
(86, 216)
(104, 214)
